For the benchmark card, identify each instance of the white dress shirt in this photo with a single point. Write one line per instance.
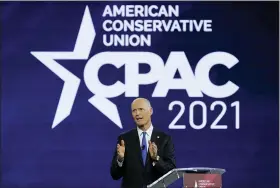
(149, 132)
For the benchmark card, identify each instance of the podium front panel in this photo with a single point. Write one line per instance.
(202, 180)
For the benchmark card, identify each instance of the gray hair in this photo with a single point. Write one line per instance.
(148, 102)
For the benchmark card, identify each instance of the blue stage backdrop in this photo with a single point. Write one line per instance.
(70, 71)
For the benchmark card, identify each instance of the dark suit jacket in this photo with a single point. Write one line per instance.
(133, 171)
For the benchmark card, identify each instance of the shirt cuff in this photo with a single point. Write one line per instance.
(119, 163)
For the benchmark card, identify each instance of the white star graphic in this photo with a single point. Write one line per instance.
(81, 51)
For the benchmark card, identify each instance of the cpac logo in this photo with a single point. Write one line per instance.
(195, 84)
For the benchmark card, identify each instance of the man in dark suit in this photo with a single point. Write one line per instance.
(143, 154)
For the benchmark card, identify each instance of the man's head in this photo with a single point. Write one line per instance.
(142, 111)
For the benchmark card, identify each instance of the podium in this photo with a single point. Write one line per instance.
(200, 177)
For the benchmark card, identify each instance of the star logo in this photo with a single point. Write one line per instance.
(81, 51)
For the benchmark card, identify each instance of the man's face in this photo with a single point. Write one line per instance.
(141, 112)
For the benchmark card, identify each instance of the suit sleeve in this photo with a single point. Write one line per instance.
(116, 171)
(167, 161)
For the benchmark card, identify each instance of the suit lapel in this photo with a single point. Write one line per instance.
(153, 139)
(138, 149)
(154, 135)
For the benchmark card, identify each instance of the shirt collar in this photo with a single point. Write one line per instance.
(149, 131)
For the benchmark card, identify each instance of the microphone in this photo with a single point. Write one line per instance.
(143, 147)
